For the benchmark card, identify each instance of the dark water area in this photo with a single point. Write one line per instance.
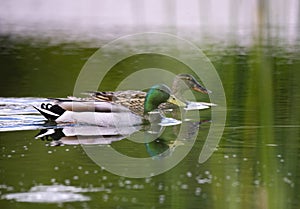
(255, 164)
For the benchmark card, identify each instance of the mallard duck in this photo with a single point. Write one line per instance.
(181, 83)
(105, 113)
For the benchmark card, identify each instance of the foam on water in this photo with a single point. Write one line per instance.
(53, 194)
(18, 114)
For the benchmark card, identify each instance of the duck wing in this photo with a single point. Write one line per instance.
(131, 99)
(89, 105)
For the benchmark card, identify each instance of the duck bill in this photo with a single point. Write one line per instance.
(197, 87)
(172, 99)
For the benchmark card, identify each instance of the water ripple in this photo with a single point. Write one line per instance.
(53, 194)
(19, 114)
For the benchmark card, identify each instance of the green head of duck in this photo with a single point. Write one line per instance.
(158, 94)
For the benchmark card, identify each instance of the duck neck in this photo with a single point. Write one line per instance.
(148, 107)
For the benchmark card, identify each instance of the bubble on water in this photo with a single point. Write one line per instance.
(189, 174)
(256, 182)
(75, 177)
(8, 156)
(245, 159)
(121, 184)
(49, 152)
(56, 168)
(67, 182)
(127, 182)
(161, 198)
(160, 186)
(79, 167)
(105, 197)
(86, 172)
(197, 191)
(226, 156)
(288, 181)
(203, 180)
(67, 150)
(184, 186)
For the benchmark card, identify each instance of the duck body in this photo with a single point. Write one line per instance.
(119, 119)
(96, 113)
(103, 113)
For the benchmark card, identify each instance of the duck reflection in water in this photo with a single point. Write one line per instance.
(160, 141)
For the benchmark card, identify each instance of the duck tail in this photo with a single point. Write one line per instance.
(49, 111)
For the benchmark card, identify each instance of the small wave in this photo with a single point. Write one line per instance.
(19, 114)
(53, 194)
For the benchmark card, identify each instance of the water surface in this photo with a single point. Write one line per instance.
(255, 165)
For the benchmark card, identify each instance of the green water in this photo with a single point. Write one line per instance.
(255, 165)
